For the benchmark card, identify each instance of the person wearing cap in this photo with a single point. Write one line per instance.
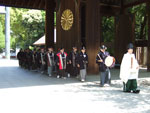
(73, 62)
(129, 71)
(50, 60)
(105, 76)
(82, 61)
(62, 62)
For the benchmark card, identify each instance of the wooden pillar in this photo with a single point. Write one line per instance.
(148, 55)
(124, 34)
(70, 37)
(49, 27)
(77, 23)
(92, 34)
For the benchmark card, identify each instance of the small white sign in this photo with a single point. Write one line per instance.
(2, 9)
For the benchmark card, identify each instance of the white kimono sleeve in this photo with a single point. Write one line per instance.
(125, 68)
(126, 72)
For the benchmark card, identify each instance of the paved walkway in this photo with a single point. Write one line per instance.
(23, 91)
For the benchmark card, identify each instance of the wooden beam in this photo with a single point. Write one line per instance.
(13, 1)
(36, 3)
(122, 11)
(20, 4)
(141, 43)
(134, 3)
(109, 10)
(116, 6)
(7, 1)
(1, 1)
(31, 3)
(93, 19)
(40, 4)
(43, 6)
(25, 2)
(49, 27)
(115, 3)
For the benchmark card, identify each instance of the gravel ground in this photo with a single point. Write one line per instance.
(23, 91)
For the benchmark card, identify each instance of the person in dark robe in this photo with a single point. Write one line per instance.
(105, 76)
(74, 71)
(82, 61)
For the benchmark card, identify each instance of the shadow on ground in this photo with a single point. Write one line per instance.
(14, 76)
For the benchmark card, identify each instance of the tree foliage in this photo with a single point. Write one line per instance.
(141, 27)
(35, 22)
(108, 29)
(140, 21)
(27, 27)
(140, 24)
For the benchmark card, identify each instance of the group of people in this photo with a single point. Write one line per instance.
(74, 64)
(129, 69)
(60, 64)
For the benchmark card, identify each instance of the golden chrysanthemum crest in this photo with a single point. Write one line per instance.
(67, 19)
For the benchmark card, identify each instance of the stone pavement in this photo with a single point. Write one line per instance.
(23, 91)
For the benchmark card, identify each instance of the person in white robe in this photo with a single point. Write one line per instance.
(129, 70)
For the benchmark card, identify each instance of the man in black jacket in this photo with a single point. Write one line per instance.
(82, 62)
(104, 70)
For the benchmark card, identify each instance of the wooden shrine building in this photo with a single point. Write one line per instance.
(78, 22)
